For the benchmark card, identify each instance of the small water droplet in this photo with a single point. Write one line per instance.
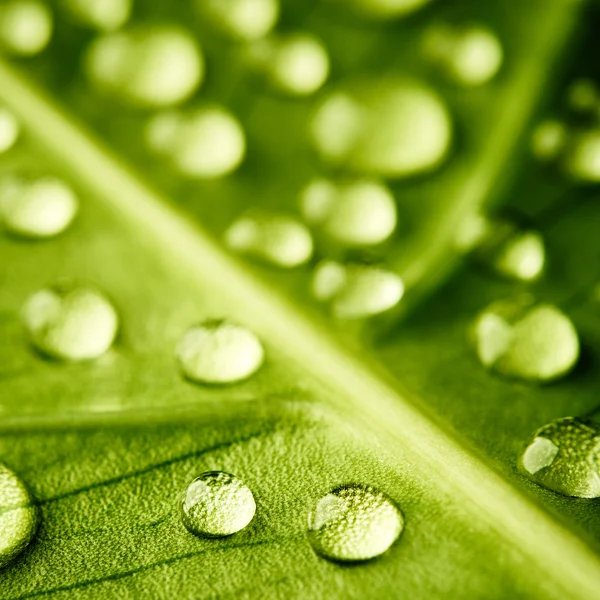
(518, 338)
(354, 213)
(582, 96)
(354, 523)
(385, 127)
(148, 66)
(218, 352)
(277, 239)
(25, 26)
(104, 15)
(217, 504)
(70, 322)
(385, 9)
(38, 207)
(549, 140)
(18, 516)
(206, 143)
(244, 20)
(356, 291)
(9, 129)
(471, 232)
(564, 456)
(469, 55)
(582, 158)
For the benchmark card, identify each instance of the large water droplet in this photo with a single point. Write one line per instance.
(18, 516)
(277, 239)
(70, 322)
(564, 456)
(9, 129)
(549, 140)
(356, 291)
(387, 127)
(354, 523)
(524, 340)
(218, 352)
(217, 504)
(148, 66)
(25, 26)
(36, 207)
(244, 20)
(354, 213)
(582, 159)
(385, 9)
(206, 143)
(104, 15)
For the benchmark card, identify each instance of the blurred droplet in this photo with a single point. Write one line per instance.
(70, 323)
(104, 15)
(549, 140)
(25, 26)
(354, 523)
(218, 352)
(9, 129)
(277, 239)
(384, 9)
(583, 96)
(582, 159)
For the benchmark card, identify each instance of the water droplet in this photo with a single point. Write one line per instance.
(386, 127)
(25, 26)
(218, 352)
(354, 213)
(148, 66)
(245, 20)
(549, 140)
(18, 516)
(9, 129)
(104, 15)
(356, 291)
(524, 340)
(469, 55)
(36, 207)
(298, 64)
(564, 456)
(277, 239)
(583, 96)
(206, 143)
(354, 523)
(217, 504)
(385, 9)
(471, 232)
(582, 159)
(70, 322)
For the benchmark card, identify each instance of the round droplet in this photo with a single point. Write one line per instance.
(471, 231)
(277, 239)
(70, 323)
(564, 456)
(104, 15)
(583, 96)
(18, 516)
(206, 143)
(356, 291)
(549, 140)
(244, 20)
(9, 129)
(582, 159)
(386, 127)
(356, 213)
(298, 65)
(36, 208)
(469, 55)
(384, 9)
(25, 26)
(354, 523)
(147, 66)
(217, 504)
(218, 352)
(520, 339)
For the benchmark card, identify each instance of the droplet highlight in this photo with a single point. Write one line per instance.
(354, 523)
(9, 129)
(549, 139)
(103, 15)
(582, 157)
(217, 504)
(384, 9)
(25, 27)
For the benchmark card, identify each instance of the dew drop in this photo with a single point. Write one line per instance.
(9, 129)
(549, 140)
(386, 9)
(354, 213)
(37, 208)
(582, 159)
(277, 239)
(356, 291)
(25, 27)
(563, 456)
(70, 323)
(147, 66)
(533, 342)
(217, 504)
(18, 516)
(219, 352)
(104, 15)
(384, 127)
(354, 523)
(583, 96)
(206, 143)
(245, 20)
